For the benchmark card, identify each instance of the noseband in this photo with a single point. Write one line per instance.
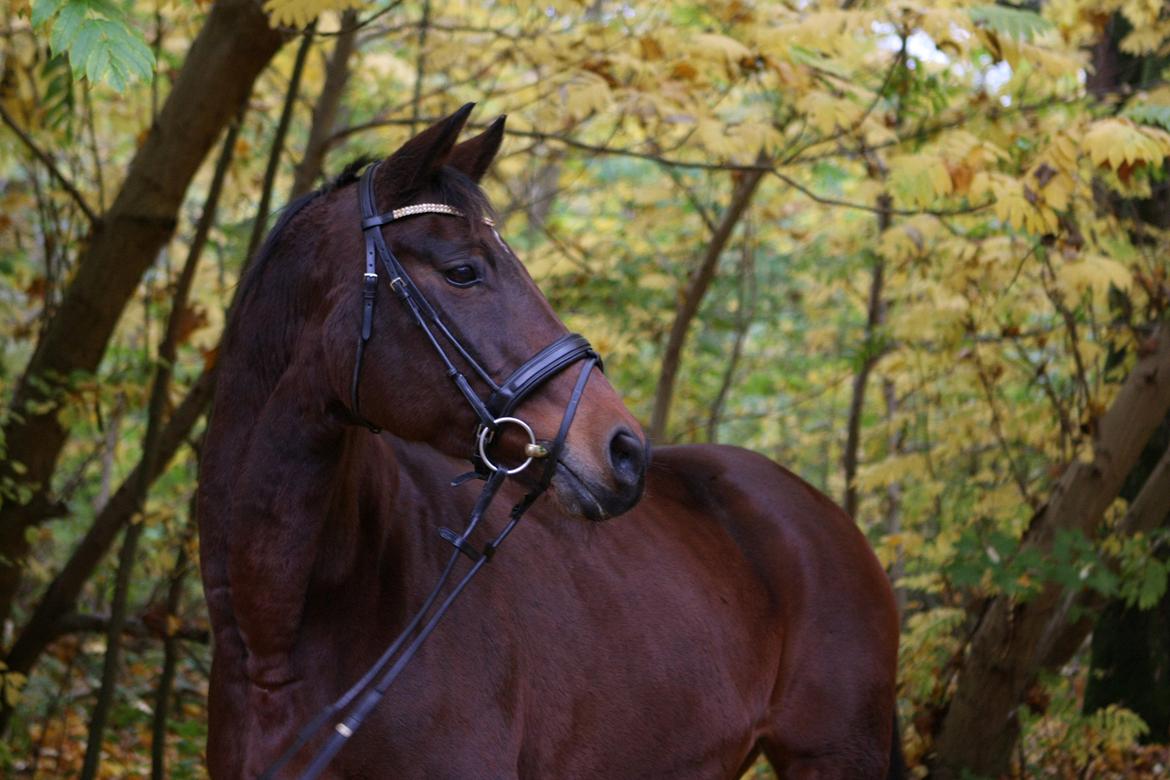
(498, 410)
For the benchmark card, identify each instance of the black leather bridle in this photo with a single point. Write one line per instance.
(492, 414)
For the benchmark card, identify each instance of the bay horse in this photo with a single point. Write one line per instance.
(731, 609)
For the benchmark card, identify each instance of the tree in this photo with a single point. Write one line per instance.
(234, 45)
(914, 253)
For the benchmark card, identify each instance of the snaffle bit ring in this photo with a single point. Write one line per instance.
(530, 449)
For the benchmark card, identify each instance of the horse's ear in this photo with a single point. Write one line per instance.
(474, 156)
(421, 156)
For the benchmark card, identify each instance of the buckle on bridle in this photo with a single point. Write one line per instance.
(532, 450)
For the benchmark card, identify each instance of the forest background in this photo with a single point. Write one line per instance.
(916, 252)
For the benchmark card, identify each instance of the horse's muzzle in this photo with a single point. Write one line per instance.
(612, 492)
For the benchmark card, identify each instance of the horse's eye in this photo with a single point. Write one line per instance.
(462, 275)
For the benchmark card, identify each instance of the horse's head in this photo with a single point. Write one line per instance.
(458, 266)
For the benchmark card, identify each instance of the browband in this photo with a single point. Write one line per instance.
(418, 208)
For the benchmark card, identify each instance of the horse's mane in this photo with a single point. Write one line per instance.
(255, 270)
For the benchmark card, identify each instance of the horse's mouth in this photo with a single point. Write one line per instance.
(575, 494)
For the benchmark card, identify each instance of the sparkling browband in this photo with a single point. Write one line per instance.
(419, 208)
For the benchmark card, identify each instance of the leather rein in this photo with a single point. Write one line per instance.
(492, 414)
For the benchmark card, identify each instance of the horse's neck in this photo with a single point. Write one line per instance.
(387, 499)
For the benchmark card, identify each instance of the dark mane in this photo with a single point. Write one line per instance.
(349, 175)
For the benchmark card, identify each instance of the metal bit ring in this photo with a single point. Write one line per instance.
(485, 436)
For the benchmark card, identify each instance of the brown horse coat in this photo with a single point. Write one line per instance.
(732, 609)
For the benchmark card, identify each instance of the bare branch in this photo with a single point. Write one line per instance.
(48, 161)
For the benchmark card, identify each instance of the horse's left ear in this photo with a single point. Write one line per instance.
(474, 156)
(421, 156)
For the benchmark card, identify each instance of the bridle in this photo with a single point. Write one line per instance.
(492, 414)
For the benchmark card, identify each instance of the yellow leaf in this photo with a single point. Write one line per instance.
(1117, 141)
(920, 179)
(587, 94)
(12, 683)
(721, 47)
(1143, 40)
(298, 13)
(826, 113)
(1093, 274)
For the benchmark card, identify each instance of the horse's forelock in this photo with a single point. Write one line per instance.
(455, 188)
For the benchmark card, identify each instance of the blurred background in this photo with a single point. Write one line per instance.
(917, 253)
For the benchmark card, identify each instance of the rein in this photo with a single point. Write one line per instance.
(492, 414)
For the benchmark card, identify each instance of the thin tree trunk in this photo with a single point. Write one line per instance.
(325, 112)
(105, 698)
(1146, 513)
(874, 318)
(420, 66)
(744, 316)
(235, 44)
(688, 307)
(893, 522)
(1013, 639)
(166, 678)
(260, 224)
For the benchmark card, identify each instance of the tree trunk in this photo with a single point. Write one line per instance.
(875, 316)
(1014, 640)
(235, 44)
(325, 111)
(260, 223)
(688, 306)
(1130, 661)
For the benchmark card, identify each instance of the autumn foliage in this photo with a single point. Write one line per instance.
(917, 253)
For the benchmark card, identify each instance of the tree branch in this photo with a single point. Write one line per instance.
(688, 306)
(78, 623)
(260, 224)
(48, 161)
(325, 112)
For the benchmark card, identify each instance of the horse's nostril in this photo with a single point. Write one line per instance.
(627, 456)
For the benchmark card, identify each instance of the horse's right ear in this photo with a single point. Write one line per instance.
(474, 156)
(419, 158)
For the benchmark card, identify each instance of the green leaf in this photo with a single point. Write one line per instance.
(88, 37)
(97, 62)
(1152, 585)
(136, 57)
(66, 26)
(99, 41)
(107, 9)
(1146, 114)
(44, 10)
(1014, 22)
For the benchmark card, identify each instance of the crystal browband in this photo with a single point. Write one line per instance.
(418, 208)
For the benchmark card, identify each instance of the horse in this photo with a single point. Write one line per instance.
(668, 616)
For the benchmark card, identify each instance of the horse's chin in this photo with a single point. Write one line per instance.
(577, 496)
